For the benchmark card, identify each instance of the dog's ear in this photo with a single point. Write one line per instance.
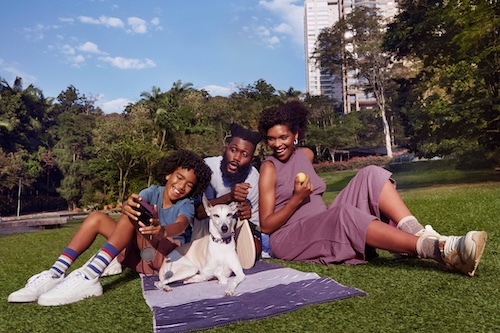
(234, 207)
(206, 204)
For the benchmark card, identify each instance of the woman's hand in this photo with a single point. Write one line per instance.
(304, 189)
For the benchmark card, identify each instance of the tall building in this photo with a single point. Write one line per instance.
(320, 14)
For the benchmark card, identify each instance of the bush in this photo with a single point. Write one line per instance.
(354, 163)
(476, 159)
(425, 165)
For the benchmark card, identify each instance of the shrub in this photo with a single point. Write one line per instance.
(354, 163)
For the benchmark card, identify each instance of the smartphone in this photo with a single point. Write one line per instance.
(147, 213)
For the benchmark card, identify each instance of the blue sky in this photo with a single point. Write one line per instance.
(114, 50)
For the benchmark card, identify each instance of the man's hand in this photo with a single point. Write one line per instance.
(240, 191)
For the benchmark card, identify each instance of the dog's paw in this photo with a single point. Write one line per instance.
(222, 281)
(161, 286)
(229, 292)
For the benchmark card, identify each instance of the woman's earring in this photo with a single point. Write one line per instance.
(295, 142)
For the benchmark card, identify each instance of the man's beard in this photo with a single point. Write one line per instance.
(239, 176)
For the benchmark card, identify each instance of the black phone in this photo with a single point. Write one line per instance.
(147, 213)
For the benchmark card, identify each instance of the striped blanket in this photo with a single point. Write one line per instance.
(268, 290)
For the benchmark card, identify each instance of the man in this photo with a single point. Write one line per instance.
(234, 178)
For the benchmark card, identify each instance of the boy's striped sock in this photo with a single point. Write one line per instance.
(101, 260)
(67, 257)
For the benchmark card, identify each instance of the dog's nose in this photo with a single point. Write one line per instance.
(224, 228)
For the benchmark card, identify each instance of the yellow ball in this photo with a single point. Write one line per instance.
(301, 177)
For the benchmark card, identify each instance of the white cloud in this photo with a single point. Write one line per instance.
(88, 19)
(112, 22)
(124, 63)
(35, 34)
(68, 50)
(283, 28)
(215, 90)
(266, 37)
(114, 106)
(90, 48)
(262, 31)
(12, 72)
(273, 41)
(77, 60)
(66, 19)
(155, 21)
(138, 25)
(292, 15)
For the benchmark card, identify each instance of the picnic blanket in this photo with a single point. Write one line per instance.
(268, 290)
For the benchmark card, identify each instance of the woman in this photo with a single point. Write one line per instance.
(145, 247)
(303, 228)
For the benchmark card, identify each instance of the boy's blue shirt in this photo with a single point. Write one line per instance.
(154, 196)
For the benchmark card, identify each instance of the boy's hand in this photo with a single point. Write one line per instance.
(130, 207)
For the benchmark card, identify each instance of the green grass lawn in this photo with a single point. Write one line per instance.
(404, 295)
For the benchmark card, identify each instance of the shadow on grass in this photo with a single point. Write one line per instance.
(408, 263)
(115, 282)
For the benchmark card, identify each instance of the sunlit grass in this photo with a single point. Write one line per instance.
(403, 295)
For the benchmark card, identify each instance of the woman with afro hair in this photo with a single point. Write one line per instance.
(130, 241)
(303, 228)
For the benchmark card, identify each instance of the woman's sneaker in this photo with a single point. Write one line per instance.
(463, 253)
(37, 285)
(75, 287)
(428, 232)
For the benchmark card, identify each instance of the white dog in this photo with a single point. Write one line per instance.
(213, 255)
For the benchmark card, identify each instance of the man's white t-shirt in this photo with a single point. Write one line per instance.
(217, 188)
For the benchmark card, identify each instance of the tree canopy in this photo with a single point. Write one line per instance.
(434, 71)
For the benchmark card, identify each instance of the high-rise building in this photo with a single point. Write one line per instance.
(320, 14)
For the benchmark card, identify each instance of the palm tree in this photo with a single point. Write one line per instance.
(291, 93)
(178, 88)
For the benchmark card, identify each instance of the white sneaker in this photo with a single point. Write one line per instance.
(463, 253)
(113, 268)
(37, 285)
(428, 232)
(75, 287)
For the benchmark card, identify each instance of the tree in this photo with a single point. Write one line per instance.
(76, 120)
(454, 102)
(354, 45)
(23, 112)
(291, 93)
(125, 141)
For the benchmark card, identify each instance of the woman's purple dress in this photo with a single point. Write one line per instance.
(321, 234)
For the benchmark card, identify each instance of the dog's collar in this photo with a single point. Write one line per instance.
(226, 240)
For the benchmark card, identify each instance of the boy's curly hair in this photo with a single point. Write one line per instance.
(187, 160)
(292, 114)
